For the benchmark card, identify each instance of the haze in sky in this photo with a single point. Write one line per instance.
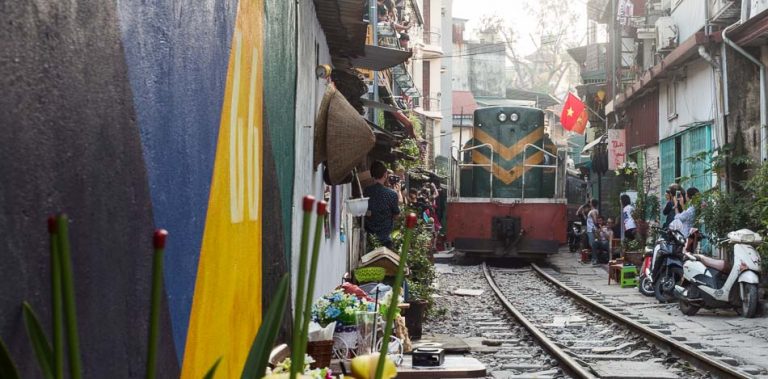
(514, 13)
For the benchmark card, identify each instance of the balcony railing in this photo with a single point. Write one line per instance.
(430, 103)
(431, 37)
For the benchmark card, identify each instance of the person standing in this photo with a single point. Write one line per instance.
(626, 215)
(686, 212)
(592, 229)
(383, 206)
(669, 208)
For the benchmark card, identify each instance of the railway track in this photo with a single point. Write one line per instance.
(496, 338)
(590, 340)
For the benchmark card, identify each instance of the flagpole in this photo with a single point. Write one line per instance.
(596, 114)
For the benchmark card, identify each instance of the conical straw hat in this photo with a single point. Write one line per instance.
(321, 125)
(348, 138)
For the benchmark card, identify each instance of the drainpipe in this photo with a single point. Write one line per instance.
(729, 42)
(718, 92)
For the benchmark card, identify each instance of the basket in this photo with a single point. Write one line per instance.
(321, 352)
(358, 207)
(370, 274)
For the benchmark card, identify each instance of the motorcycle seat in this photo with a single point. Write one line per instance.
(716, 264)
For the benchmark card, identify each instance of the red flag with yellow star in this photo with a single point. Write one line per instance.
(574, 117)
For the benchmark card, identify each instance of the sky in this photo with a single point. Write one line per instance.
(513, 12)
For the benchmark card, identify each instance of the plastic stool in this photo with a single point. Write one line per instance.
(628, 276)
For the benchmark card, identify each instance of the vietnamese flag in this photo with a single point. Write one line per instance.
(574, 117)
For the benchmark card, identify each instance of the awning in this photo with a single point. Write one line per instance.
(378, 105)
(430, 114)
(588, 147)
(379, 58)
(343, 25)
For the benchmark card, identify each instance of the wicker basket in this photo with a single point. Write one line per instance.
(321, 352)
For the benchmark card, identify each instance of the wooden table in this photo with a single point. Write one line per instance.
(455, 366)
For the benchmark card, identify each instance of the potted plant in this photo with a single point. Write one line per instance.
(420, 281)
(340, 307)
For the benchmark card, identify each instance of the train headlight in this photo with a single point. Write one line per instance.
(514, 117)
(502, 117)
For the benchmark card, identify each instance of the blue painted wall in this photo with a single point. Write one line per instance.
(177, 54)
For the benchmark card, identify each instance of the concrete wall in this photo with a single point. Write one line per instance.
(313, 50)
(129, 116)
(71, 142)
(446, 102)
(743, 119)
(695, 100)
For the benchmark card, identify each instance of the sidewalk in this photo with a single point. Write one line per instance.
(724, 331)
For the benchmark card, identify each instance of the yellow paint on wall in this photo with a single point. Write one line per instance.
(226, 309)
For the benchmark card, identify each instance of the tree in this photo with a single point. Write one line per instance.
(556, 31)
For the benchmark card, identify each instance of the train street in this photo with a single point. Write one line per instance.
(379, 189)
(546, 331)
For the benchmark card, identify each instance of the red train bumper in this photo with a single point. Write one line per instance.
(525, 229)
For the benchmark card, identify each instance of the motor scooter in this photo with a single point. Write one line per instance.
(645, 279)
(667, 264)
(575, 236)
(713, 283)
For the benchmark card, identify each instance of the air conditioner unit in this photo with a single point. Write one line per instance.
(666, 33)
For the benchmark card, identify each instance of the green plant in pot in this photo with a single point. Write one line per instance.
(421, 279)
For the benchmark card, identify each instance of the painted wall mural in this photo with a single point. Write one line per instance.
(128, 116)
(226, 310)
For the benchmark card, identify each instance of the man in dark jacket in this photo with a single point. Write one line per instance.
(383, 206)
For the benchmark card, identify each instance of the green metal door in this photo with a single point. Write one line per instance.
(696, 157)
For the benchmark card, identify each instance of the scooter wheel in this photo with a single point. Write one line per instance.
(645, 286)
(749, 302)
(686, 307)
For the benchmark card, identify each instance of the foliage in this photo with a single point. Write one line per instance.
(410, 148)
(716, 161)
(423, 272)
(632, 245)
(418, 129)
(628, 168)
(285, 367)
(339, 306)
(547, 68)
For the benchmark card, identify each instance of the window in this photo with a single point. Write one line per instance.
(687, 155)
(671, 100)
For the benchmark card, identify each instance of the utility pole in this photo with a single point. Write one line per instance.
(374, 17)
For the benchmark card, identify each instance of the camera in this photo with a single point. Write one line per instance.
(394, 179)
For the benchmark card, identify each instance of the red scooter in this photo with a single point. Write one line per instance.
(644, 280)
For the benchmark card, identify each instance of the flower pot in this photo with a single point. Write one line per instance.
(321, 352)
(345, 336)
(414, 318)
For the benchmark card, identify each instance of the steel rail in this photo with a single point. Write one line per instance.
(571, 365)
(700, 360)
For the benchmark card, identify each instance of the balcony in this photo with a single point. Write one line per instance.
(430, 43)
(724, 12)
(430, 104)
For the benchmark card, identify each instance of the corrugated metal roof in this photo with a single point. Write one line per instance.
(377, 58)
(343, 24)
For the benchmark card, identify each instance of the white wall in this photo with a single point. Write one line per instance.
(446, 102)
(310, 90)
(689, 17)
(757, 6)
(695, 99)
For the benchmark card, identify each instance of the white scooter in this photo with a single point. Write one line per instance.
(709, 283)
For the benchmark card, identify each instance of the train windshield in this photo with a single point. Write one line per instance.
(508, 154)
